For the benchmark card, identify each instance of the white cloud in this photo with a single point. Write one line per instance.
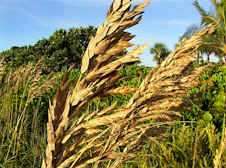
(173, 22)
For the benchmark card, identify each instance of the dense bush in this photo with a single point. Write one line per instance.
(209, 98)
(59, 50)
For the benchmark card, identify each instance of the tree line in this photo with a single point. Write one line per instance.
(64, 47)
(60, 50)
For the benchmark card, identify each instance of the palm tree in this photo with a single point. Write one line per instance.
(160, 52)
(217, 41)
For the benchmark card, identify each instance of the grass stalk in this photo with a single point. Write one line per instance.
(116, 136)
(222, 147)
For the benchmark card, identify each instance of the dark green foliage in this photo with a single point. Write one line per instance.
(60, 50)
(17, 56)
(209, 98)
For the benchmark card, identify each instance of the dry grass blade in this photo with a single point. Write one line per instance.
(51, 140)
(31, 73)
(108, 33)
(222, 147)
(119, 91)
(18, 90)
(2, 69)
(159, 97)
(104, 57)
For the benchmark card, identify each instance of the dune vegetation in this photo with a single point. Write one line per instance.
(108, 111)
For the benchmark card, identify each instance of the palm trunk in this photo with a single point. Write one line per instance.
(158, 59)
(208, 57)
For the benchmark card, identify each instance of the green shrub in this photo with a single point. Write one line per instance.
(209, 98)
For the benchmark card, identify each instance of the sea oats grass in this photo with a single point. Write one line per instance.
(20, 101)
(103, 58)
(2, 69)
(220, 152)
(79, 140)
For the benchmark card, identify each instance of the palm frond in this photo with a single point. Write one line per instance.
(200, 9)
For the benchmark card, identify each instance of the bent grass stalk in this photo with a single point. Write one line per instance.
(78, 140)
(16, 94)
(222, 147)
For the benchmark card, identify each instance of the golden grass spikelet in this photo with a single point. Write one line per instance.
(31, 72)
(104, 57)
(18, 90)
(150, 93)
(2, 69)
(119, 91)
(104, 132)
(118, 19)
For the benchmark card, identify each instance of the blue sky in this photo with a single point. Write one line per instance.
(24, 22)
